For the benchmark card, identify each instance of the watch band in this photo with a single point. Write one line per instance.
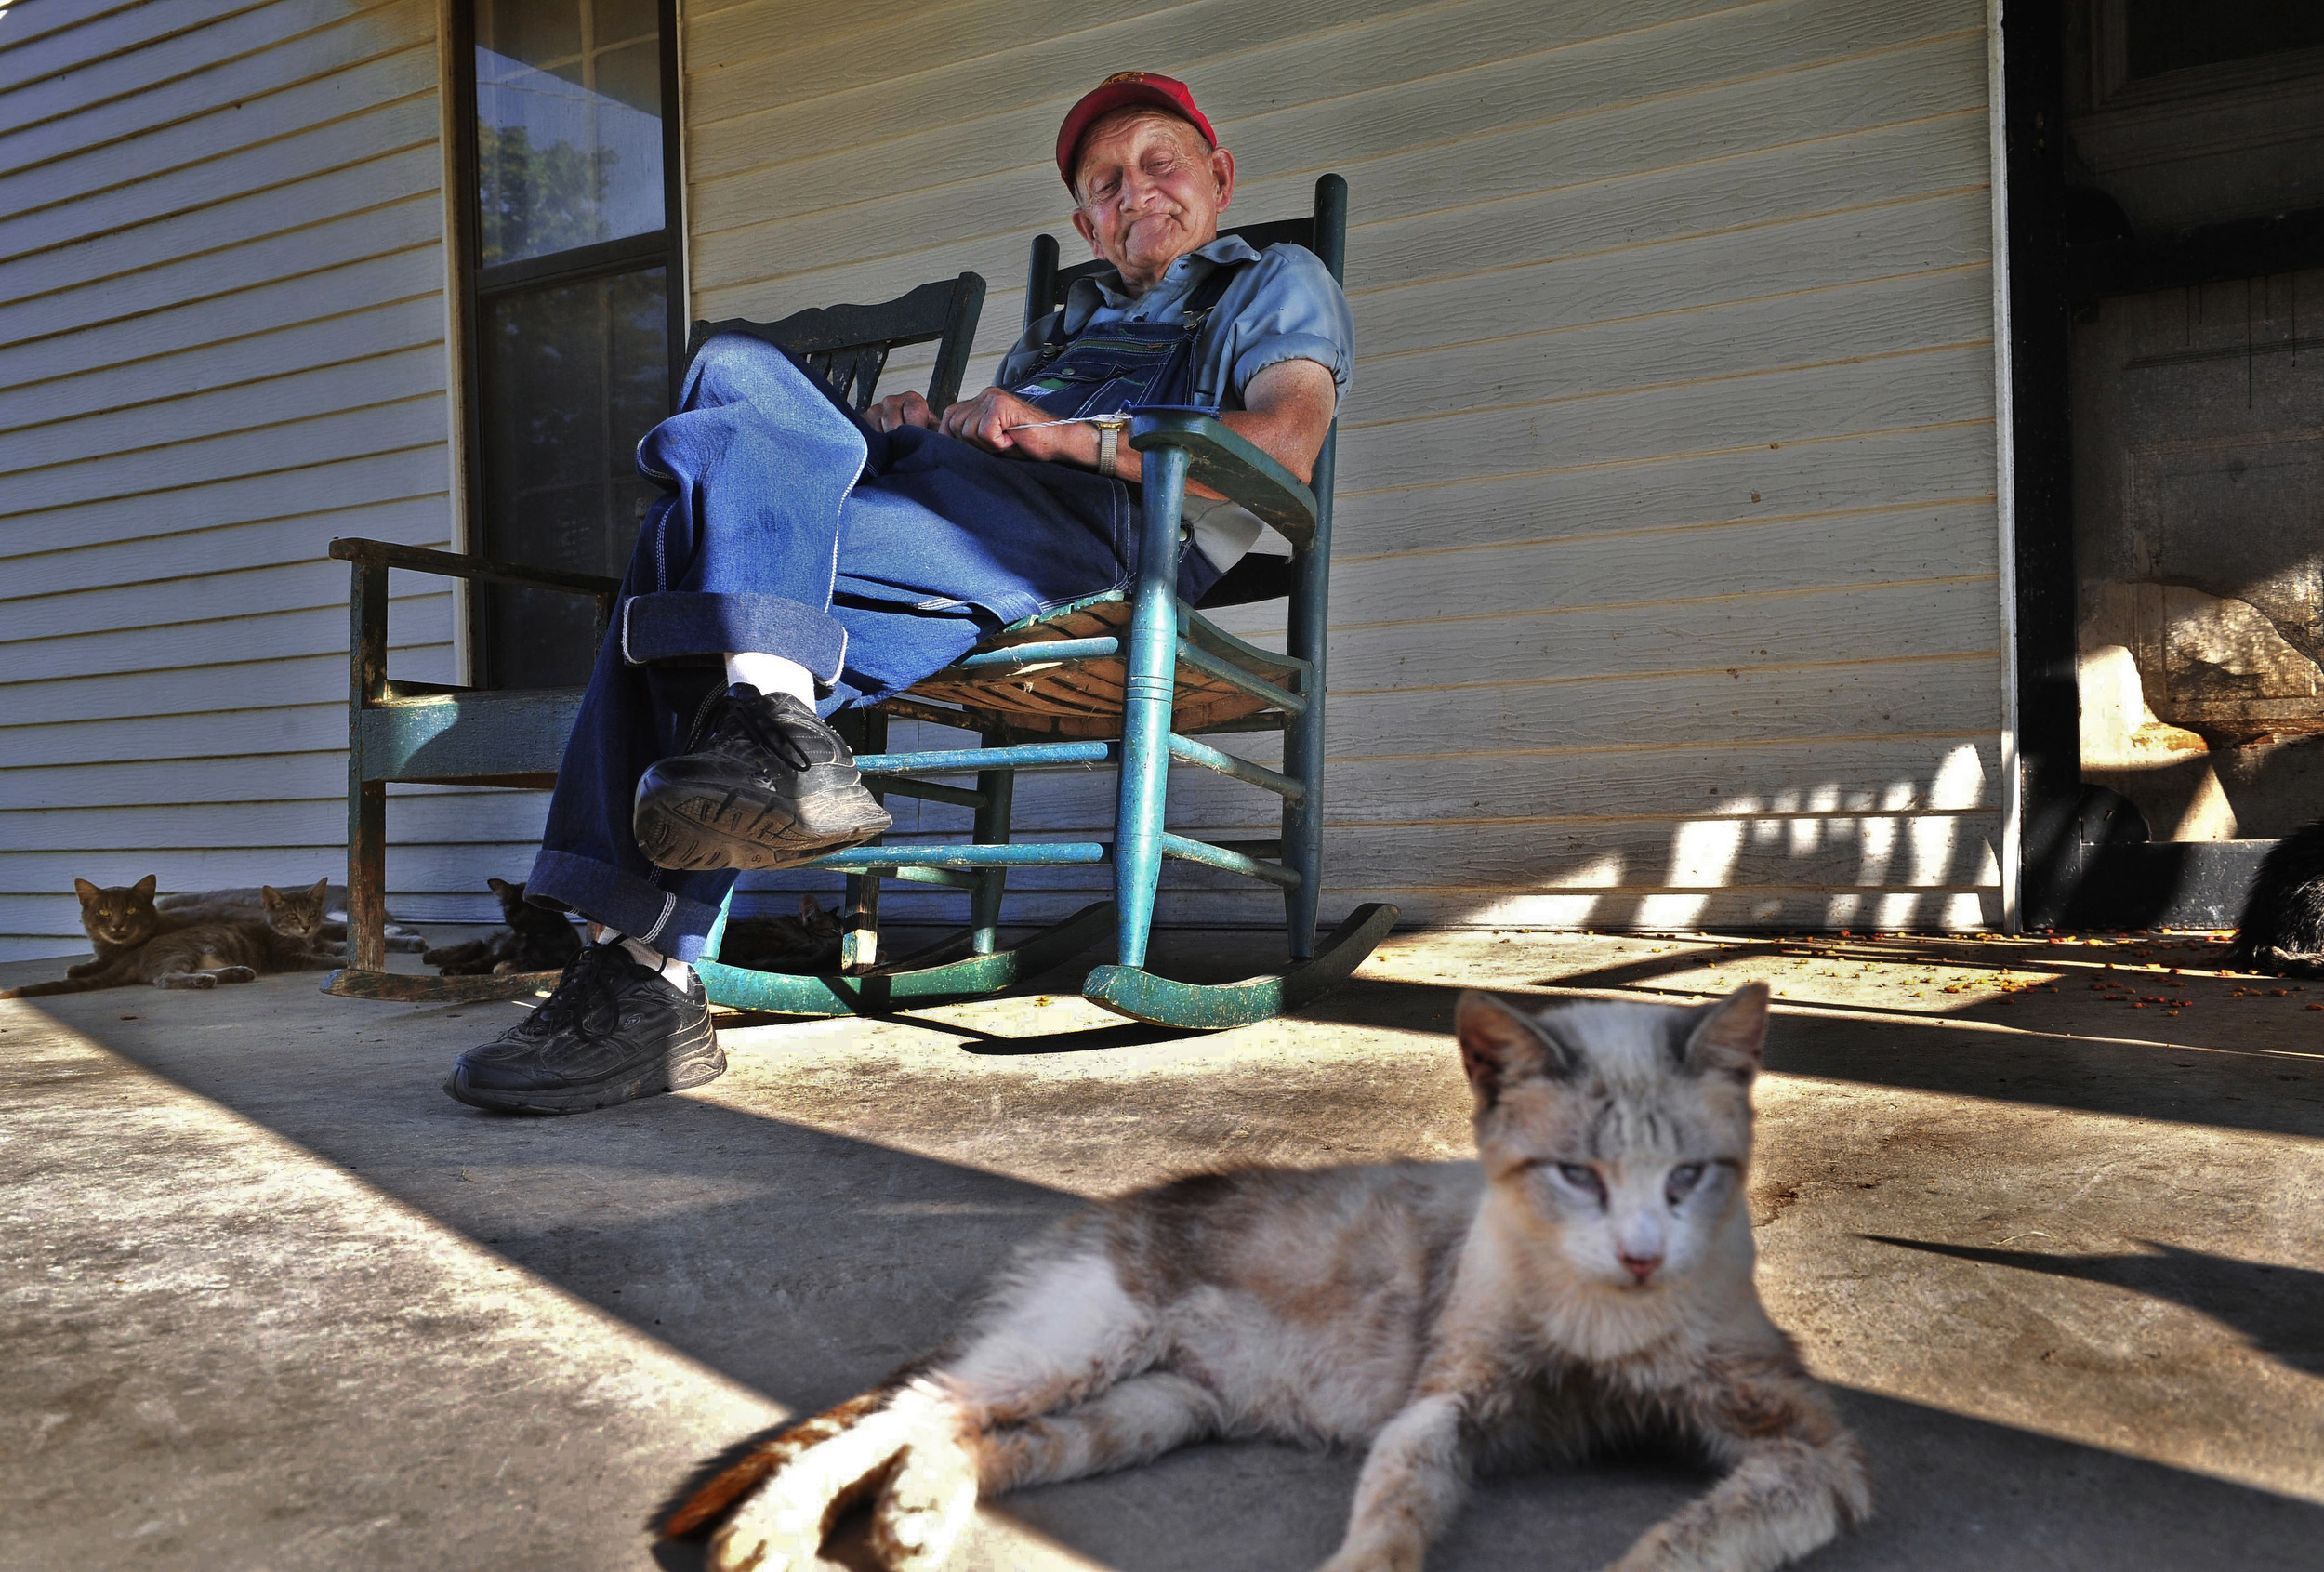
(1109, 447)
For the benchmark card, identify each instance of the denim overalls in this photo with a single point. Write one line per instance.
(1124, 366)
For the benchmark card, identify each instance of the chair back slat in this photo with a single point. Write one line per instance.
(848, 345)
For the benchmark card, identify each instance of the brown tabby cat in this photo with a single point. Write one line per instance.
(1586, 1283)
(201, 955)
(535, 940)
(806, 944)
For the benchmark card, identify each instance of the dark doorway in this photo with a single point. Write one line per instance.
(2167, 226)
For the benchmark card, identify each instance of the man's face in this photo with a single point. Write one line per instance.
(1150, 190)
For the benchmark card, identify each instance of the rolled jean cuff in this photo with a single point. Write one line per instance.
(661, 918)
(670, 623)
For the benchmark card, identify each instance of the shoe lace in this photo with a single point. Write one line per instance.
(761, 723)
(591, 978)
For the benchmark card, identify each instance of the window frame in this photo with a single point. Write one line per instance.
(664, 248)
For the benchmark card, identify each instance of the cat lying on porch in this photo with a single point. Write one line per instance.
(1587, 1284)
(191, 946)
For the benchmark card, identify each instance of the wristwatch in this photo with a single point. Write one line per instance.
(1109, 442)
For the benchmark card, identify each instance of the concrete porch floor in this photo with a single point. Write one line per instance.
(273, 1301)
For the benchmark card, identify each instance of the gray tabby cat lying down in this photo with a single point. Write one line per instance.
(244, 904)
(1586, 1283)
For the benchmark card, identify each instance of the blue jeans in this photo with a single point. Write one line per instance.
(789, 527)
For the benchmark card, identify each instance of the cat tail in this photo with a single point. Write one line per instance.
(62, 986)
(900, 1445)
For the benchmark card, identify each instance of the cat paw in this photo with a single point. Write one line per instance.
(407, 944)
(235, 974)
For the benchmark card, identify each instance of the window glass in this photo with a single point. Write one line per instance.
(569, 125)
(573, 374)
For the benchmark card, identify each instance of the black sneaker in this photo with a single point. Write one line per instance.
(769, 786)
(611, 1031)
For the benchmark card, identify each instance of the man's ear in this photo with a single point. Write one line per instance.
(88, 892)
(143, 889)
(1500, 1047)
(1223, 169)
(1085, 229)
(1728, 1036)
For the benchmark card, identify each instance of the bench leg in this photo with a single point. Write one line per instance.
(858, 940)
(1147, 690)
(998, 789)
(367, 875)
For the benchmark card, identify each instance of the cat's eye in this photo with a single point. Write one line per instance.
(1584, 1179)
(1681, 1181)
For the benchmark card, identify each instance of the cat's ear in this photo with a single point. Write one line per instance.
(1500, 1047)
(809, 911)
(1727, 1037)
(143, 888)
(271, 897)
(88, 892)
(322, 888)
(498, 886)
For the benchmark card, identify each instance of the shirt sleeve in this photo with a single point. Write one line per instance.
(1295, 311)
(1020, 358)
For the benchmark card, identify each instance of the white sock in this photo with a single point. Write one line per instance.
(677, 973)
(773, 674)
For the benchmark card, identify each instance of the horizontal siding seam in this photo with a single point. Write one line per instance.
(1340, 493)
(337, 67)
(336, 604)
(1698, 308)
(213, 20)
(184, 395)
(1506, 685)
(1417, 417)
(434, 195)
(1850, 740)
(367, 502)
(243, 475)
(1648, 532)
(432, 199)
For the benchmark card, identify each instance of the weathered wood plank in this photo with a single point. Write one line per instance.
(159, 44)
(196, 689)
(395, 424)
(95, 389)
(426, 614)
(239, 146)
(286, 66)
(1784, 404)
(306, 490)
(386, 174)
(424, 519)
(301, 258)
(171, 421)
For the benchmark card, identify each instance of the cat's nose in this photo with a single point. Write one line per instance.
(1642, 1266)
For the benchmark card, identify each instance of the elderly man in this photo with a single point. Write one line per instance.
(803, 560)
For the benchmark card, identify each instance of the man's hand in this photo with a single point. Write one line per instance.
(901, 409)
(986, 419)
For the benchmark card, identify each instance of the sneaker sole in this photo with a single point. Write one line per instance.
(727, 835)
(690, 1065)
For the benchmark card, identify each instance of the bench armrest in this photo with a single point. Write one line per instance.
(451, 565)
(1233, 466)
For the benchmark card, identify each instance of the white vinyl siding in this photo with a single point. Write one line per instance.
(222, 343)
(1664, 580)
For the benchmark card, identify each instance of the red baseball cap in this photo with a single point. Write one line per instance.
(1118, 91)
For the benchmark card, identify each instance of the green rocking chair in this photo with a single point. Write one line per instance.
(1132, 681)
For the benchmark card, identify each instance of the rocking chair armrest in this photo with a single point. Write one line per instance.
(1234, 467)
(454, 565)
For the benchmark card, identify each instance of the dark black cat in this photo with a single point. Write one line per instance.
(535, 940)
(2282, 927)
(808, 942)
